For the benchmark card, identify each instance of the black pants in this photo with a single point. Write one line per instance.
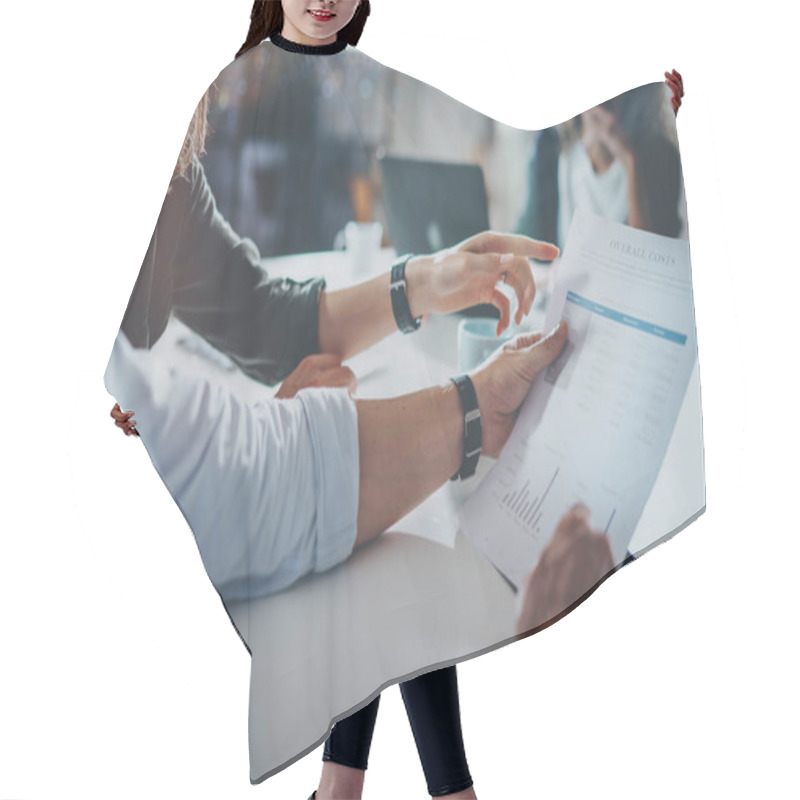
(432, 705)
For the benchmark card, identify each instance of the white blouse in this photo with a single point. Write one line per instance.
(579, 186)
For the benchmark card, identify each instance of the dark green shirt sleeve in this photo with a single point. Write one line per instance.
(265, 325)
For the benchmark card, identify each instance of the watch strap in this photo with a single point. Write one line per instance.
(473, 430)
(398, 290)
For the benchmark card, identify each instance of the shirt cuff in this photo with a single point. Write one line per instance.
(333, 423)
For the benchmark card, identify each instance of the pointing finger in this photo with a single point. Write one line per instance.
(517, 244)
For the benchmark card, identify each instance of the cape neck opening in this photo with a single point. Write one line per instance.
(309, 49)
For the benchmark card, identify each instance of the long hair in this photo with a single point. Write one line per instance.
(194, 142)
(640, 111)
(266, 18)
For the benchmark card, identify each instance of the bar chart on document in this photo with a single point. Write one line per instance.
(597, 422)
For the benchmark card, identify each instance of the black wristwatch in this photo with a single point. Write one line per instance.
(397, 290)
(473, 431)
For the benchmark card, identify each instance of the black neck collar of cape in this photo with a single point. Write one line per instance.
(310, 49)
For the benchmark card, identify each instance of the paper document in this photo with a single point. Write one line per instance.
(597, 422)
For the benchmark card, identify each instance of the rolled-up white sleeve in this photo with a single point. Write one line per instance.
(268, 487)
(333, 426)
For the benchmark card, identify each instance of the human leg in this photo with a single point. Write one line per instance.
(346, 753)
(432, 705)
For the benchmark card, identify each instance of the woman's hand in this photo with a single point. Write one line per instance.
(675, 82)
(575, 560)
(606, 128)
(319, 369)
(467, 274)
(503, 381)
(123, 420)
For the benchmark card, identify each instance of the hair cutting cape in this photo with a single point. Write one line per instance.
(320, 169)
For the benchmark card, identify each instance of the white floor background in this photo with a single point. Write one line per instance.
(120, 674)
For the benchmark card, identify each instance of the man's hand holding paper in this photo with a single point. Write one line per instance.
(596, 424)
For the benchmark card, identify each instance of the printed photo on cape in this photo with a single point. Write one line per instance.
(318, 173)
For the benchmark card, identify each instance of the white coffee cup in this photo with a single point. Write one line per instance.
(477, 340)
(363, 241)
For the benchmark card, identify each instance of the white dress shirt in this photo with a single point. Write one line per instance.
(269, 487)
